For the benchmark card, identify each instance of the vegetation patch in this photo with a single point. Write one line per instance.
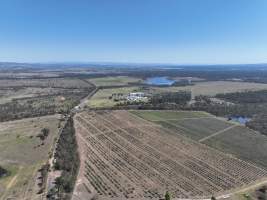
(130, 158)
(154, 115)
(23, 154)
(3, 172)
(243, 143)
(67, 161)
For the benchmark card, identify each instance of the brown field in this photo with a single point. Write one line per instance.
(22, 154)
(126, 157)
(46, 82)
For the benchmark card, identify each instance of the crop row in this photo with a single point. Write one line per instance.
(238, 169)
(110, 174)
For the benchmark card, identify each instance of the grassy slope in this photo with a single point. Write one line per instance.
(19, 152)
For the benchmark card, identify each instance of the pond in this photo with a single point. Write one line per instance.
(239, 119)
(161, 80)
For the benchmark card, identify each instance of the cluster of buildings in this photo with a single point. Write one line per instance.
(136, 96)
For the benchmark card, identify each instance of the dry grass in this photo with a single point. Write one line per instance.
(114, 81)
(22, 154)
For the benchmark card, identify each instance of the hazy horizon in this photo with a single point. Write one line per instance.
(180, 32)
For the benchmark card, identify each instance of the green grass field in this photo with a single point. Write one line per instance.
(101, 98)
(114, 80)
(22, 153)
(200, 128)
(242, 142)
(225, 136)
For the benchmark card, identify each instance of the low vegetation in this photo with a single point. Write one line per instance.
(22, 154)
(3, 172)
(235, 139)
(40, 106)
(128, 157)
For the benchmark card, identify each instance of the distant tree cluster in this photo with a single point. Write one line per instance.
(181, 98)
(182, 83)
(245, 97)
(251, 104)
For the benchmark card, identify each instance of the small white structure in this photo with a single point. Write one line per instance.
(134, 96)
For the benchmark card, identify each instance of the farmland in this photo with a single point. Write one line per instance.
(125, 156)
(225, 136)
(102, 97)
(212, 88)
(114, 81)
(22, 153)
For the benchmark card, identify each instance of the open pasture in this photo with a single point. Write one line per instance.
(114, 81)
(22, 153)
(125, 156)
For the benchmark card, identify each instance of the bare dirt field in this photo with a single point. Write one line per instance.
(127, 157)
(22, 153)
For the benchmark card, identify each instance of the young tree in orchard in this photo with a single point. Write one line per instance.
(167, 196)
(213, 197)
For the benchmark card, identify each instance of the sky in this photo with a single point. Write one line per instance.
(135, 31)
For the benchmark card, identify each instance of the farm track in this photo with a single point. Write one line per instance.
(217, 133)
(128, 157)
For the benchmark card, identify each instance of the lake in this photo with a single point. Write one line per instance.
(159, 81)
(241, 120)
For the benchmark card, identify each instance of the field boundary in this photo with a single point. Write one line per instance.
(217, 133)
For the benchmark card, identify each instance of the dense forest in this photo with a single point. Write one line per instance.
(181, 98)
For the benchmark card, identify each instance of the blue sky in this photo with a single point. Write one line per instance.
(146, 31)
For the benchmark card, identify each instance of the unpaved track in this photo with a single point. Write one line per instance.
(217, 133)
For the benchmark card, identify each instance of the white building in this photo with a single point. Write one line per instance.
(134, 96)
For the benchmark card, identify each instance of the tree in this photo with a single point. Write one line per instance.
(167, 196)
(213, 197)
(45, 132)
